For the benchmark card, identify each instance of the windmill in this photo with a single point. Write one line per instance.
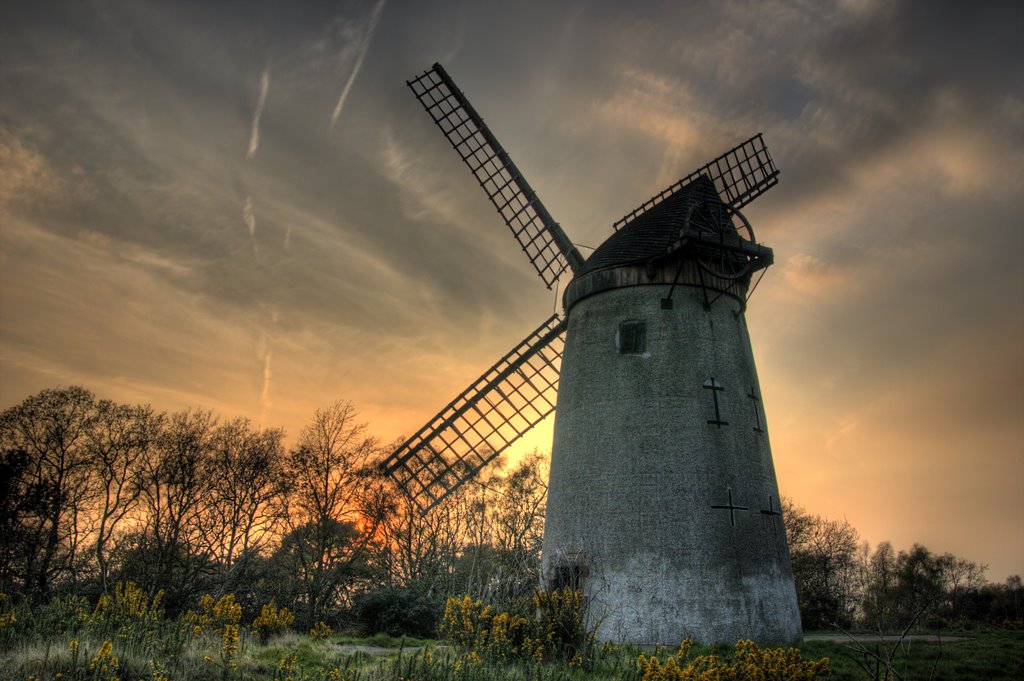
(663, 506)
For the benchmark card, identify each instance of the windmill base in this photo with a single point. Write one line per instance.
(663, 505)
(650, 603)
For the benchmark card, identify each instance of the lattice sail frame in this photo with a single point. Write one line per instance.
(513, 396)
(740, 175)
(549, 249)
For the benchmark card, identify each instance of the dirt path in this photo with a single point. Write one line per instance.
(882, 638)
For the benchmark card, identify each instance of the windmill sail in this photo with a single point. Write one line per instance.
(740, 175)
(541, 238)
(512, 397)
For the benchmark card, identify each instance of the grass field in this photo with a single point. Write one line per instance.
(126, 637)
(982, 655)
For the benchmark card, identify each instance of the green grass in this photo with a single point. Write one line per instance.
(985, 655)
(982, 654)
(381, 640)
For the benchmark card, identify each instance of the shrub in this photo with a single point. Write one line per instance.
(104, 663)
(213, 616)
(557, 631)
(130, 607)
(8, 618)
(397, 611)
(271, 621)
(561, 629)
(320, 631)
(466, 622)
(23, 620)
(750, 663)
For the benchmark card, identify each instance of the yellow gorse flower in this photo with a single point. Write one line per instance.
(130, 604)
(272, 621)
(286, 668)
(227, 610)
(558, 630)
(320, 631)
(230, 639)
(158, 671)
(751, 663)
(213, 615)
(104, 662)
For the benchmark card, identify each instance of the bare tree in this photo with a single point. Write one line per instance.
(19, 505)
(176, 483)
(120, 437)
(49, 430)
(959, 576)
(877, 605)
(519, 506)
(483, 540)
(330, 474)
(825, 567)
(518, 525)
(417, 550)
(242, 514)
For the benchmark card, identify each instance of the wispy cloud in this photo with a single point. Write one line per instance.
(421, 194)
(810, 274)
(25, 174)
(364, 45)
(265, 403)
(254, 135)
(249, 216)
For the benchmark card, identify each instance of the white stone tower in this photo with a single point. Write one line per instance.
(663, 505)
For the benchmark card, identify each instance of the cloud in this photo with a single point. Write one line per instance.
(128, 252)
(660, 108)
(254, 135)
(249, 216)
(363, 47)
(809, 274)
(265, 401)
(85, 288)
(422, 194)
(25, 174)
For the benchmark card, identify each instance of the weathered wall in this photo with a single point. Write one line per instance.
(637, 469)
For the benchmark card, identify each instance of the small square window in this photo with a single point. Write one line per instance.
(568, 577)
(632, 338)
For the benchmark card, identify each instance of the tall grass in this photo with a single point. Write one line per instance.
(126, 636)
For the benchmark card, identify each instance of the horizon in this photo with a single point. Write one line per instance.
(249, 212)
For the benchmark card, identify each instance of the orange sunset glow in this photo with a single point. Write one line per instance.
(243, 208)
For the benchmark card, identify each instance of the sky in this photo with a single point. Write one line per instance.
(240, 206)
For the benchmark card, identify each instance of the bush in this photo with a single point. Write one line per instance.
(129, 607)
(271, 622)
(561, 629)
(555, 632)
(750, 663)
(397, 612)
(320, 631)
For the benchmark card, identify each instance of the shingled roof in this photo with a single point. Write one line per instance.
(651, 233)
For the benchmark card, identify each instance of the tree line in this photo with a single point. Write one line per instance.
(93, 493)
(843, 582)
